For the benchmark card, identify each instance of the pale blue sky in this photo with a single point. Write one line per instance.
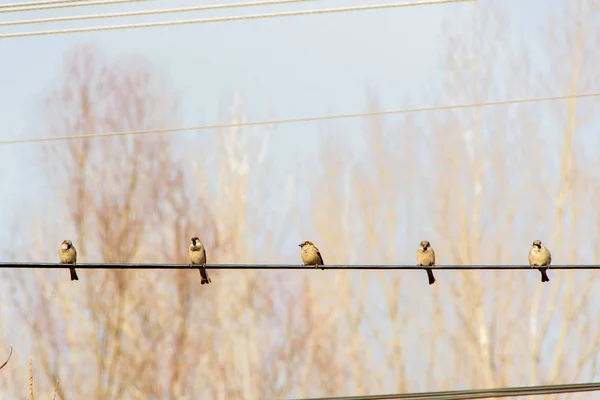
(286, 67)
(282, 68)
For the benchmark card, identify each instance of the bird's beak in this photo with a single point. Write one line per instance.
(300, 245)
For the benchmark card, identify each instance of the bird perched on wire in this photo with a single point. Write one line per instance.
(426, 258)
(68, 255)
(539, 255)
(310, 254)
(198, 257)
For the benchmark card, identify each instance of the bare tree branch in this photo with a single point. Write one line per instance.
(6, 362)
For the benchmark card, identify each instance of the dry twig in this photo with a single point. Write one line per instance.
(55, 390)
(6, 362)
(31, 380)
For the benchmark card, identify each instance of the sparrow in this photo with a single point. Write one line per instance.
(539, 255)
(198, 257)
(310, 254)
(68, 255)
(426, 257)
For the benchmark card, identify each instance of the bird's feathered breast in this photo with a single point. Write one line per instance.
(426, 258)
(68, 255)
(539, 257)
(197, 254)
(311, 255)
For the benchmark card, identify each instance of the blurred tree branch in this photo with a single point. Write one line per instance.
(8, 359)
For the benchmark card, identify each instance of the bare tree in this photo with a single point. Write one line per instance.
(116, 192)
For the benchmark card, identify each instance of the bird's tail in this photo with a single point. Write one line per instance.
(544, 275)
(204, 276)
(73, 274)
(430, 276)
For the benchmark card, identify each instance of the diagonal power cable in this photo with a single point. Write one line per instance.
(38, 3)
(152, 12)
(233, 18)
(48, 5)
(477, 393)
(297, 120)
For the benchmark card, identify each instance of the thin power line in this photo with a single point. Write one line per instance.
(233, 18)
(297, 120)
(478, 393)
(37, 3)
(380, 267)
(514, 389)
(151, 12)
(62, 4)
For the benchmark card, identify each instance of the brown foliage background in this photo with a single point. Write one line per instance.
(480, 184)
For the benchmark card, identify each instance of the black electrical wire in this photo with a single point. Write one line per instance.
(382, 267)
(477, 393)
